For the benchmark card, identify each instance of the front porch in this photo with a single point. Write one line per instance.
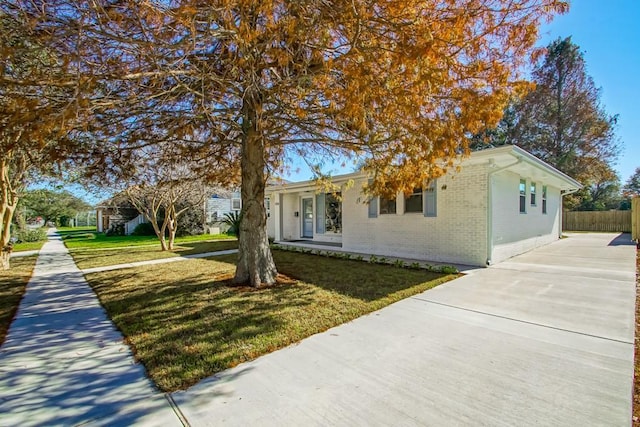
(305, 216)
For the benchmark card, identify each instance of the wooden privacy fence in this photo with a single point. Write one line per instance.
(635, 219)
(619, 221)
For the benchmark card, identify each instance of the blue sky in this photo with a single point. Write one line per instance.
(608, 34)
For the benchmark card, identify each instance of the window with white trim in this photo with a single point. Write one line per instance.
(387, 206)
(413, 203)
(532, 192)
(544, 199)
(523, 196)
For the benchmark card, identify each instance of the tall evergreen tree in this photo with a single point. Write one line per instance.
(562, 121)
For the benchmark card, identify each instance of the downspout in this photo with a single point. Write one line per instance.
(562, 194)
(490, 204)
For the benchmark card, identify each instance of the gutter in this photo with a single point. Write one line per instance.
(490, 204)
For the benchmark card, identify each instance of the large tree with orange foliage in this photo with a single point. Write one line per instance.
(399, 83)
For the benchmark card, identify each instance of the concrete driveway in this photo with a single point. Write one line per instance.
(545, 338)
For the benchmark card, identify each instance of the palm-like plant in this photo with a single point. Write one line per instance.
(232, 219)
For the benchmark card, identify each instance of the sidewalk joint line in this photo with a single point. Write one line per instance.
(176, 410)
(523, 321)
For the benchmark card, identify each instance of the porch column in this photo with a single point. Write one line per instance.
(277, 216)
(99, 225)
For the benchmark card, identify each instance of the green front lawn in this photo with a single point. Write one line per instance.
(83, 229)
(89, 258)
(28, 246)
(13, 283)
(94, 240)
(185, 323)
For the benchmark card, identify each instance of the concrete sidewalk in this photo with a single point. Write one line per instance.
(543, 339)
(64, 363)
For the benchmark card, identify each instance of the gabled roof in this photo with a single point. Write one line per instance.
(517, 160)
(508, 157)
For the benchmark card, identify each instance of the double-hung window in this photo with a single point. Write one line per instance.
(532, 191)
(544, 199)
(387, 206)
(413, 203)
(523, 196)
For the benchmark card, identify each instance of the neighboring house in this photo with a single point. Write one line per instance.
(118, 210)
(504, 201)
(217, 206)
(115, 211)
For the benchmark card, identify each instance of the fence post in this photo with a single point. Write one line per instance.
(635, 219)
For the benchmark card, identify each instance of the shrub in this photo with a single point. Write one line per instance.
(115, 230)
(37, 235)
(448, 269)
(144, 229)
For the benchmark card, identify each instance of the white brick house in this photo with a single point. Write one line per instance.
(503, 202)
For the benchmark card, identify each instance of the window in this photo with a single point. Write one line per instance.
(236, 203)
(532, 192)
(430, 200)
(544, 199)
(267, 205)
(387, 206)
(523, 196)
(333, 213)
(413, 203)
(320, 213)
(372, 204)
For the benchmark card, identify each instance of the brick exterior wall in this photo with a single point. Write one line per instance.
(457, 234)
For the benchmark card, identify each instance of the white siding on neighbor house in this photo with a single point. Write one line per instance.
(514, 232)
(217, 207)
(129, 227)
(457, 234)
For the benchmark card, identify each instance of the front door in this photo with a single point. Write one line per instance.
(307, 218)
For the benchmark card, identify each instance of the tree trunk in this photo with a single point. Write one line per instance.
(8, 206)
(172, 232)
(5, 255)
(255, 263)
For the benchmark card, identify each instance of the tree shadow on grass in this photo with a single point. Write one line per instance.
(187, 329)
(185, 323)
(355, 279)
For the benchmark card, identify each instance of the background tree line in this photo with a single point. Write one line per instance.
(561, 120)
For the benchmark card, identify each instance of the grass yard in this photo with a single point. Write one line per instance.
(94, 240)
(83, 229)
(89, 258)
(185, 323)
(12, 286)
(28, 246)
